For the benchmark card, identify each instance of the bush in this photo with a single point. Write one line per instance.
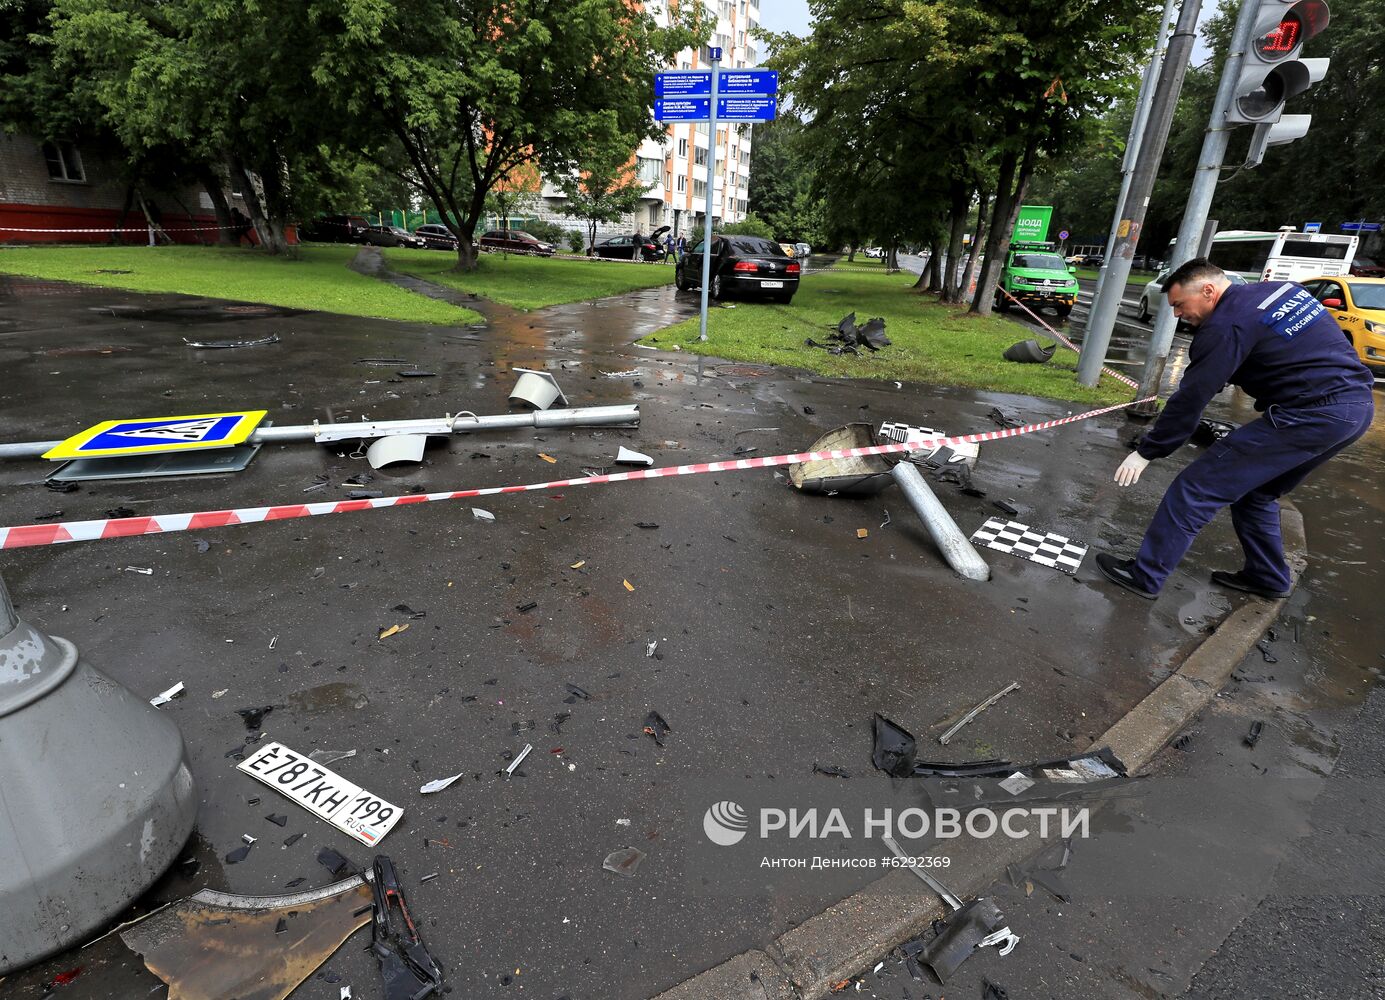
(576, 241)
(752, 225)
(547, 232)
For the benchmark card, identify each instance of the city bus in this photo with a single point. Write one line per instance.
(1286, 255)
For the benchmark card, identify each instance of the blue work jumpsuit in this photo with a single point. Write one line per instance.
(1279, 344)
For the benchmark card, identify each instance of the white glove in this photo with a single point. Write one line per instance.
(1129, 472)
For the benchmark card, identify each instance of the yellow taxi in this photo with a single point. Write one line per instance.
(1358, 306)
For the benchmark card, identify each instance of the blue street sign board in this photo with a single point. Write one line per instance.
(732, 83)
(694, 84)
(715, 52)
(1312, 227)
(1063, 235)
(748, 82)
(1360, 227)
(683, 109)
(747, 109)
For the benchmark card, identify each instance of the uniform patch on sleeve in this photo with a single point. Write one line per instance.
(1289, 309)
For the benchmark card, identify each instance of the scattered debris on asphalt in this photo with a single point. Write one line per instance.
(416, 373)
(482, 515)
(628, 585)
(407, 970)
(623, 862)
(213, 945)
(396, 449)
(142, 570)
(439, 784)
(536, 389)
(224, 345)
(1266, 654)
(846, 336)
(327, 795)
(1005, 507)
(894, 748)
(241, 853)
(519, 759)
(1002, 420)
(253, 717)
(330, 756)
(656, 727)
(831, 770)
(333, 861)
(974, 712)
(625, 456)
(628, 373)
(1253, 737)
(392, 630)
(164, 697)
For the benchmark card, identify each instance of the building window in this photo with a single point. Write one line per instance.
(683, 148)
(680, 183)
(650, 171)
(654, 211)
(700, 156)
(64, 162)
(699, 189)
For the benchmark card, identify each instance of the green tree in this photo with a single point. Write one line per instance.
(472, 91)
(604, 190)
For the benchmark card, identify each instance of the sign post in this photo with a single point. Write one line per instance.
(701, 96)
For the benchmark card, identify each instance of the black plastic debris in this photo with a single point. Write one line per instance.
(647, 525)
(52, 515)
(333, 861)
(960, 936)
(416, 373)
(894, 748)
(364, 494)
(846, 337)
(239, 854)
(557, 724)
(281, 926)
(809, 411)
(118, 512)
(202, 544)
(277, 819)
(293, 839)
(408, 971)
(252, 717)
(831, 770)
(1264, 652)
(526, 606)
(404, 609)
(1030, 352)
(294, 883)
(61, 487)
(656, 727)
(992, 991)
(575, 694)
(1002, 420)
(1005, 507)
(1253, 737)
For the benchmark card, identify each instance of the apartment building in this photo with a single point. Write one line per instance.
(676, 167)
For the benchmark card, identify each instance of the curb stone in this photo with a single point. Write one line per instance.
(806, 961)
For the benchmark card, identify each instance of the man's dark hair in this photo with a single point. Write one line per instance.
(1196, 270)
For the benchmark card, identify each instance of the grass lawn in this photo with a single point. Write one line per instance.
(531, 282)
(319, 279)
(931, 342)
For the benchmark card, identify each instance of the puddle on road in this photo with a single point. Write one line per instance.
(328, 698)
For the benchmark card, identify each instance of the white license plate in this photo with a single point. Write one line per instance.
(771, 284)
(323, 792)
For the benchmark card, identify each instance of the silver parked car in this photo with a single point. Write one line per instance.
(1149, 298)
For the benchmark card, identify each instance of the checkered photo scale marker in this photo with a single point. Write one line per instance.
(1044, 548)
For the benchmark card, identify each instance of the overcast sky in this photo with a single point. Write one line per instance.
(784, 15)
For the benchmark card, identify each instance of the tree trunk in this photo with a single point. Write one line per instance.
(276, 206)
(850, 253)
(211, 183)
(239, 176)
(977, 239)
(1007, 204)
(960, 198)
(118, 234)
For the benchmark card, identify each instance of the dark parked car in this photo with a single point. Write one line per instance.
(392, 236)
(626, 247)
(1364, 267)
(436, 237)
(334, 229)
(746, 264)
(515, 241)
(1092, 260)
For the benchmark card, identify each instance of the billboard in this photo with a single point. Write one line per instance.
(1031, 225)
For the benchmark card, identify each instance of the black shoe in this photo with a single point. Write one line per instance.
(1118, 571)
(1238, 581)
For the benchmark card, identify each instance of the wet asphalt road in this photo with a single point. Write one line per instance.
(779, 630)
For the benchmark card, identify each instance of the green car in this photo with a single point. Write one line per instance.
(1038, 277)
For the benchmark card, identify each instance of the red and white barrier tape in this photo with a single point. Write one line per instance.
(27, 535)
(1118, 376)
(121, 229)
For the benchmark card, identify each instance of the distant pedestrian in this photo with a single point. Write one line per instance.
(670, 250)
(682, 246)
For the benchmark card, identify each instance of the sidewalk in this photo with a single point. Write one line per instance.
(780, 631)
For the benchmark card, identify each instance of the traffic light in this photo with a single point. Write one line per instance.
(1272, 72)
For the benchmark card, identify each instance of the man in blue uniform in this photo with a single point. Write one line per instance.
(1278, 343)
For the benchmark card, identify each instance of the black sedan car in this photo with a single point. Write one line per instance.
(515, 241)
(392, 236)
(436, 237)
(741, 264)
(636, 247)
(334, 229)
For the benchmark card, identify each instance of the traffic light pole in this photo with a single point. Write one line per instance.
(1106, 304)
(1132, 142)
(1199, 198)
(711, 178)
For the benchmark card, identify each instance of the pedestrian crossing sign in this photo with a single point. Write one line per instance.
(195, 432)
